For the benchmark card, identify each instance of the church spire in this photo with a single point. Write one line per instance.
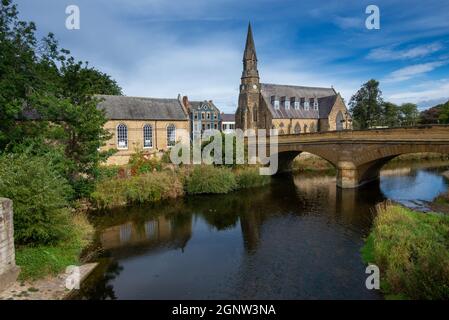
(250, 58)
(250, 48)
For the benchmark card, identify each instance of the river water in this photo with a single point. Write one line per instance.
(298, 238)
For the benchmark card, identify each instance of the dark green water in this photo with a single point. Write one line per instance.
(298, 238)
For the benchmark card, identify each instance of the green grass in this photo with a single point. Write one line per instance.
(210, 180)
(41, 261)
(249, 177)
(412, 251)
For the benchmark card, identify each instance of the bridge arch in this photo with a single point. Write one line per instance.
(359, 155)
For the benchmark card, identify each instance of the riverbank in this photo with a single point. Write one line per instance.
(168, 183)
(411, 250)
(37, 262)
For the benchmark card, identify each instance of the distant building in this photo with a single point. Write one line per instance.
(290, 109)
(149, 124)
(203, 115)
(227, 123)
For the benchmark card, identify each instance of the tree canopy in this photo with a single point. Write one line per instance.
(47, 98)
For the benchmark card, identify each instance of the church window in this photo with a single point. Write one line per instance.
(171, 135)
(147, 136)
(122, 136)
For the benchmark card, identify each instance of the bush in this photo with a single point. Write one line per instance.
(40, 197)
(40, 261)
(141, 162)
(412, 251)
(250, 178)
(209, 179)
(152, 187)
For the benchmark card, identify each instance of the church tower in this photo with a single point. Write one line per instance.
(247, 111)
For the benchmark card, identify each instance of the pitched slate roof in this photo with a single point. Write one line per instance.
(135, 108)
(227, 117)
(198, 104)
(326, 99)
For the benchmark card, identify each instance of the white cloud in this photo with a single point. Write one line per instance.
(386, 54)
(348, 22)
(430, 91)
(414, 70)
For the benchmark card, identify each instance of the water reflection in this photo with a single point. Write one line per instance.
(298, 238)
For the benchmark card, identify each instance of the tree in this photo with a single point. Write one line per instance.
(39, 81)
(444, 114)
(409, 114)
(366, 105)
(430, 116)
(390, 115)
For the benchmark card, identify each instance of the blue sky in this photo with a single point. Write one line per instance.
(159, 48)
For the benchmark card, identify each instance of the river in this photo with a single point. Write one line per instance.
(298, 238)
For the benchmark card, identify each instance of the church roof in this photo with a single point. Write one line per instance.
(326, 99)
(135, 108)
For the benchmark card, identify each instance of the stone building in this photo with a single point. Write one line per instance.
(203, 115)
(148, 124)
(290, 109)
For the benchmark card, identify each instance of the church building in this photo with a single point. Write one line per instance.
(289, 109)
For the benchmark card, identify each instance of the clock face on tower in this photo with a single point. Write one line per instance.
(254, 86)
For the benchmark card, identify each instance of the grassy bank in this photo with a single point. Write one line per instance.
(412, 251)
(49, 260)
(155, 186)
(312, 163)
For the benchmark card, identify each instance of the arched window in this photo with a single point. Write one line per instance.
(147, 136)
(122, 136)
(281, 132)
(297, 128)
(312, 127)
(339, 121)
(171, 135)
(305, 128)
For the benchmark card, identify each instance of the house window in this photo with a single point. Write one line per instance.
(215, 126)
(232, 126)
(202, 115)
(306, 105)
(196, 115)
(297, 105)
(315, 104)
(215, 116)
(122, 136)
(171, 135)
(287, 104)
(147, 136)
(208, 115)
(276, 104)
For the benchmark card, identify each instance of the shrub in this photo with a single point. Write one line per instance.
(40, 261)
(250, 178)
(209, 179)
(412, 251)
(40, 197)
(141, 162)
(139, 189)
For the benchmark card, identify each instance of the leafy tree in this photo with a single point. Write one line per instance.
(444, 114)
(409, 114)
(430, 116)
(40, 81)
(366, 105)
(391, 114)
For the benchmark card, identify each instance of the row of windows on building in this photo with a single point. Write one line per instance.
(205, 115)
(297, 129)
(294, 102)
(147, 131)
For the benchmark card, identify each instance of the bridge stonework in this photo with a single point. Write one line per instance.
(359, 155)
(8, 269)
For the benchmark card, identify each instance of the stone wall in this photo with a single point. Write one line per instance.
(8, 269)
(135, 137)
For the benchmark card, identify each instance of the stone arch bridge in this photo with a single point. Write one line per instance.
(358, 155)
